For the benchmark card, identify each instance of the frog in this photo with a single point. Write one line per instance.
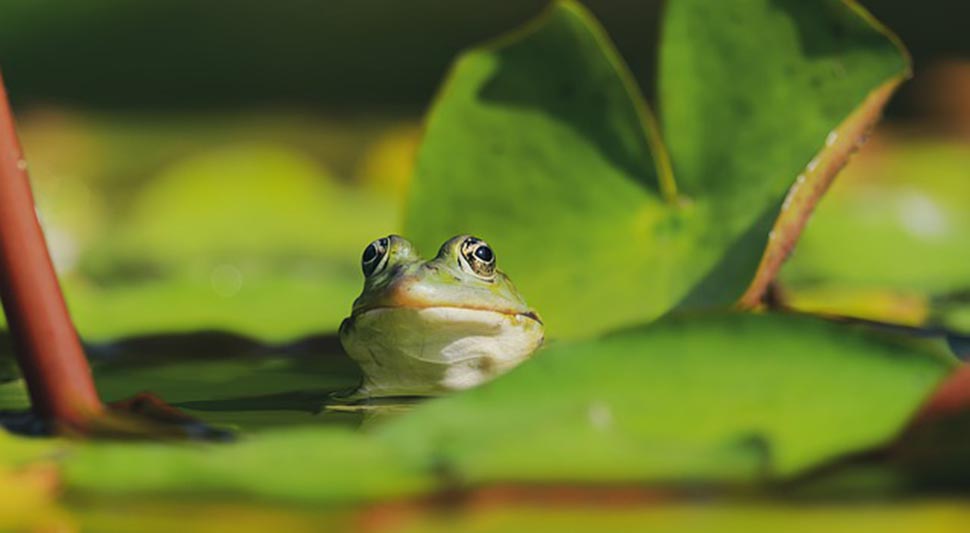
(429, 327)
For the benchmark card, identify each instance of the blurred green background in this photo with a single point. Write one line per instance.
(356, 55)
(203, 165)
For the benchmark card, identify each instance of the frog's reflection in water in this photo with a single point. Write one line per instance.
(375, 412)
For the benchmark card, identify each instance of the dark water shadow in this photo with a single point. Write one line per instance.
(230, 378)
(237, 379)
(152, 349)
(311, 402)
(25, 423)
(319, 406)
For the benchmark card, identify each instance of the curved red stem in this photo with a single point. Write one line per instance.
(46, 343)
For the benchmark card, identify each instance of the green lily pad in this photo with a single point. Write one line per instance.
(311, 465)
(225, 380)
(541, 143)
(724, 398)
(713, 400)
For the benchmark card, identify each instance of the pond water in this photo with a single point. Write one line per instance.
(229, 381)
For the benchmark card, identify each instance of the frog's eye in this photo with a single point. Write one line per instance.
(478, 257)
(375, 256)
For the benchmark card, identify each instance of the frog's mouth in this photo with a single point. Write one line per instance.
(532, 315)
(445, 333)
(435, 321)
(428, 350)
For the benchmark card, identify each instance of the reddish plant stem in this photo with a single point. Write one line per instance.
(47, 346)
(951, 397)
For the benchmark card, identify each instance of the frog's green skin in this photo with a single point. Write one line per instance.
(421, 328)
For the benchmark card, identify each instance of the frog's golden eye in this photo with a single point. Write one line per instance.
(374, 258)
(478, 257)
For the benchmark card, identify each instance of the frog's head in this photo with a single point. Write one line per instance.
(454, 311)
(463, 275)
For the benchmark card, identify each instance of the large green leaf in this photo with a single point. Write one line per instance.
(722, 399)
(537, 143)
(541, 144)
(735, 397)
(760, 98)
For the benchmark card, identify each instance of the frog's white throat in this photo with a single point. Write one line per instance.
(421, 352)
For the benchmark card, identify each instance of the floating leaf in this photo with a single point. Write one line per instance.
(225, 380)
(336, 466)
(723, 399)
(736, 398)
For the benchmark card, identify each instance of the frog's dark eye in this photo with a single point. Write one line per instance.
(484, 253)
(479, 257)
(375, 256)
